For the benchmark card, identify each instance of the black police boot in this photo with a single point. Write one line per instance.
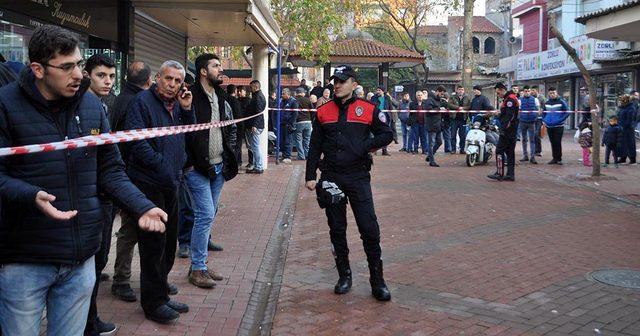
(378, 286)
(344, 271)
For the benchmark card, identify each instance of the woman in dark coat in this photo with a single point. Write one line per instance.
(627, 120)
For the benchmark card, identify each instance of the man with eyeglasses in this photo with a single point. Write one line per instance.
(52, 220)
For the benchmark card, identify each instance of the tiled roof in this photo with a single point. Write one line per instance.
(433, 29)
(368, 48)
(583, 19)
(480, 24)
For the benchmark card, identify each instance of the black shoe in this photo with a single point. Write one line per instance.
(524, 159)
(124, 293)
(510, 178)
(163, 314)
(552, 162)
(426, 159)
(403, 150)
(183, 251)
(104, 276)
(173, 289)
(533, 160)
(495, 176)
(178, 306)
(538, 154)
(379, 288)
(214, 247)
(344, 271)
(433, 164)
(105, 328)
(385, 153)
(255, 171)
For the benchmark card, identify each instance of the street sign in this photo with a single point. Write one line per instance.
(398, 88)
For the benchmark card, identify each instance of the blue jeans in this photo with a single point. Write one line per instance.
(432, 149)
(286, 138)
(303, 136)
(446, 134)
(528, 134)
(458, 128)
(25, 290)
(206, 195)
(405, 135)
(185, 214)
(254, 147)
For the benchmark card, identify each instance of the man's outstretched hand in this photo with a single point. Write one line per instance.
(153, 220)
(43, 202)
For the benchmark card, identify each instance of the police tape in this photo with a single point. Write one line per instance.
(436, 111)
(117, 137)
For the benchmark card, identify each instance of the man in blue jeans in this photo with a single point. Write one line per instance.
(212, 161)
(303, 125)
(255, 126)
(459, 103)
(51, 217)
(287, 125)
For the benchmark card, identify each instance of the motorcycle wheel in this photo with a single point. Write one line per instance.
(472, 159)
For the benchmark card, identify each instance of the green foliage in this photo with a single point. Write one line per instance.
(307, 25)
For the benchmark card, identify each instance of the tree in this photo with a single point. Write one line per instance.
(401, 21)
(467, 45)
(593, 98)
(308, 25)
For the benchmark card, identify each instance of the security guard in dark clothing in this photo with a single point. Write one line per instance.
(508, 118)
(341, 133)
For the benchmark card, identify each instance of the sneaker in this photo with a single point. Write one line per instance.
(105, 328)
(508, 178)
(552, 162)
(163, 314)
(538, 154)
(533, 160)
(433, 164)
(211, 246)
(286, 160)
(178, 306)
(605, 165)
(495, 176)
(255, 171)
(124, 293)
(403, 150)
(173, 289)
(249, 167)
(201, 279)
(524, 159)
(559, 163)
(183, 251)
(617, 165)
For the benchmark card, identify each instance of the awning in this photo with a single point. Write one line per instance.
(617, 23)
(216, 22)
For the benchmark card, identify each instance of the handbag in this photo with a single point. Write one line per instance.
(543, 131)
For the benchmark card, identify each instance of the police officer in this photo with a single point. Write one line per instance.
(508, 118)
(341, 132)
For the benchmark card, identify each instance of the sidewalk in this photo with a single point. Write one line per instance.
(463, 256)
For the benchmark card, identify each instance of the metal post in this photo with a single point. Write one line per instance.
(279, 103)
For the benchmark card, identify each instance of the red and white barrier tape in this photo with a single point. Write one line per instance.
(117, 137)
(431, 111)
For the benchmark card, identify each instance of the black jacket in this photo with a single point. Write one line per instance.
(509, 115)
(118, 112)
(304, 103)
(317, 91)
(481, 103)
(612, 136)
(341, 132)
(157, 161)
(433, 120)
(198, 142)
(257, 105)
(73, 176)
(417, 117)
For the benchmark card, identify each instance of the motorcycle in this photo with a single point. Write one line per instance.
(481, 141)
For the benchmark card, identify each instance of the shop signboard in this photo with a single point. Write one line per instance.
(98, 18)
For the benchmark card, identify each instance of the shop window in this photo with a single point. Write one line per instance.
(476, 45)
(489, 46)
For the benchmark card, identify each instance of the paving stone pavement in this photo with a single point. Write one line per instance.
(463, 256)
(468, 256)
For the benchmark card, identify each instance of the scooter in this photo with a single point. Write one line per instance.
(481, 141)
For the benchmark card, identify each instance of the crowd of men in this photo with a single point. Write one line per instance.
(59, 207)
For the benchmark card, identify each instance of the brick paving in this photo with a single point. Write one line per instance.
(463, 256)
(468, 256)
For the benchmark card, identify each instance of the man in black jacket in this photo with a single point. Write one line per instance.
(341, 133)
(255, 126)
(138, 79)
(52, 221)
(155, 166)
(434, 123)
(212, 162)
(238, 112)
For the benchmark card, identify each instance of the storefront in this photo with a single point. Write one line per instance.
(554, 68)
(95, 24)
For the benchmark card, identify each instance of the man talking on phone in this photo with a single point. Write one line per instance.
(155, 167)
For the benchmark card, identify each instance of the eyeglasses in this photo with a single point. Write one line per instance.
(68, 67)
